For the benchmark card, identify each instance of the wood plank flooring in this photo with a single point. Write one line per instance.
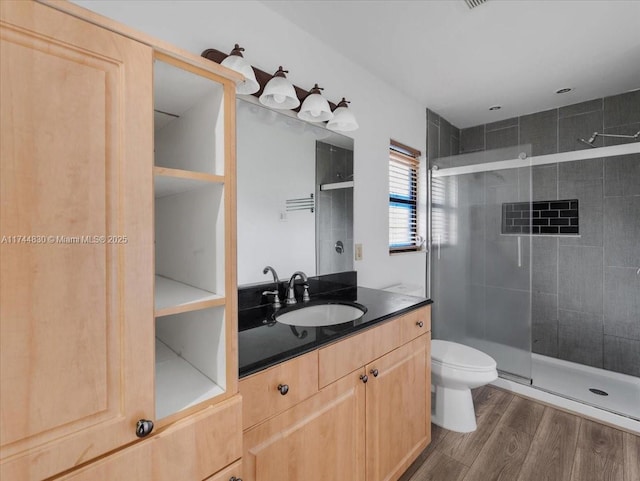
(521, 440)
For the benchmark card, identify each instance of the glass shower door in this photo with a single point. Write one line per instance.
(481, 262)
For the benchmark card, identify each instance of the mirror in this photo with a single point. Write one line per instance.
(295, 195)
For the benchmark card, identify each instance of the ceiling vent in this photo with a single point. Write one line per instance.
(474, 3)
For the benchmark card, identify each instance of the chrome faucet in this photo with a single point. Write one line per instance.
(275, 293)
(291, 293)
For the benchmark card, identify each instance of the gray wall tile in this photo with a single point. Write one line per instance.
(508, 314)
(433, 117)
(622, 109)
(589, 322)
(628, 129)
(446, 131)
(622, 355)
(577, 346)
(588, 169)
(455, 145)
(581, 108)
(544, 264)
(433, 145)
(589, 195)
(497, 139)
(541, 131)
(622, 175)
(582, 126)
(545, 182)
(502, 124)
(472, 139)
(622, 302)
(580, 337)
(580, 278)
(501, 263)
(544, 307)
(544, 338)
(622, 231)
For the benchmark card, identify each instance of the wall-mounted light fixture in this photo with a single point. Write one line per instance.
(276, 95)
(235, 61)
(315, 107)
(279, 92)
(343, 120)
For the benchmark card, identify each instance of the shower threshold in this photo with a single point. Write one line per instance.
(567, 385)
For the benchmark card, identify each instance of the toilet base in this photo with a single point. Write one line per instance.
(453, 409)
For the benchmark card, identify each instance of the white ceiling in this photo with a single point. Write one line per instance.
(459, 62)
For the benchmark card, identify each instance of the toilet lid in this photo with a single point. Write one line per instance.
(461, 356)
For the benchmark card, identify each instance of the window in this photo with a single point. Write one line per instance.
(404, 174)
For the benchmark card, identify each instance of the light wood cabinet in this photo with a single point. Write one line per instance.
(319, 439)
(190, 449)
(278, 388)
(371, 423)
(109, 297)
(398, 406)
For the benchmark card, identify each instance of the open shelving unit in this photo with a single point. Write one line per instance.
(190, 277)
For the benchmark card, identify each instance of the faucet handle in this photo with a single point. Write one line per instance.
(276, 298)
(305, 294)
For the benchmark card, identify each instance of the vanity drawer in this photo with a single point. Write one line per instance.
(189, 450)
(345, 356)
(229, 473)
(278, 388)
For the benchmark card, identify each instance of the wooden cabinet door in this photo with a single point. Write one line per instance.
(397, 409)
(319, 439)
(76, 325)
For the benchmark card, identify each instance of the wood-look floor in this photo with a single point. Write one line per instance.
(521, 440)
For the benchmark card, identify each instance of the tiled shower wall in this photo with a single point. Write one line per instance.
(334, 216)
(586, 290)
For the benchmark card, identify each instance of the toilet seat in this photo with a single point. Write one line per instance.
(458, 356)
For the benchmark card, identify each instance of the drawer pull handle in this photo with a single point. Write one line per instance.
(374, 372)
(364, 378)
(144, 428)
(233, 478)
(283, 388)
(420, 324)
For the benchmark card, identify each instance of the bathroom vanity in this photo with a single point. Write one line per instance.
(350, 401)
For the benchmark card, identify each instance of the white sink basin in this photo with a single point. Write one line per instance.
(320, 315)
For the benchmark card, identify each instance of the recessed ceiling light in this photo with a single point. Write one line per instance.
(564, 90)
(495, 107)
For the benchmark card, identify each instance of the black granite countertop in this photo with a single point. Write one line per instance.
(263, 342)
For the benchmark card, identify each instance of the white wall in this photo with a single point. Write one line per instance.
(270, 41)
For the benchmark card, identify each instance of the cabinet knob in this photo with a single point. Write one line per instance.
(283, 388)
(364, 378)
(374, 372)
(420, 324)
(233, 478)
(144, 428)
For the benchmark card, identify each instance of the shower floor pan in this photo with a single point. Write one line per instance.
(575, 381)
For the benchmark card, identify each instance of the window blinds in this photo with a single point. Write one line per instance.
(403, 199)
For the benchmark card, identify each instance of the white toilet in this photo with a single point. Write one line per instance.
(455, 370)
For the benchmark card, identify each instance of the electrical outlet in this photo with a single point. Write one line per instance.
(358, 250)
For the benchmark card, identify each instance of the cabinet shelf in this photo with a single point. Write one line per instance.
(173, 297)
(174, 181)
(179, 385)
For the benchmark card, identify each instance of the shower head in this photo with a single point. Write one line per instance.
(588, 142)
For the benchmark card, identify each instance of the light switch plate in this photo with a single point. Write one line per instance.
(358, 252)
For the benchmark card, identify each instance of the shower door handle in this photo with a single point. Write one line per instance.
(519, 251)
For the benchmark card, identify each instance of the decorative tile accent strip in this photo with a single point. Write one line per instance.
(549, 217)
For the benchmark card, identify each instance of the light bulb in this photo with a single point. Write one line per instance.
(279, 98)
